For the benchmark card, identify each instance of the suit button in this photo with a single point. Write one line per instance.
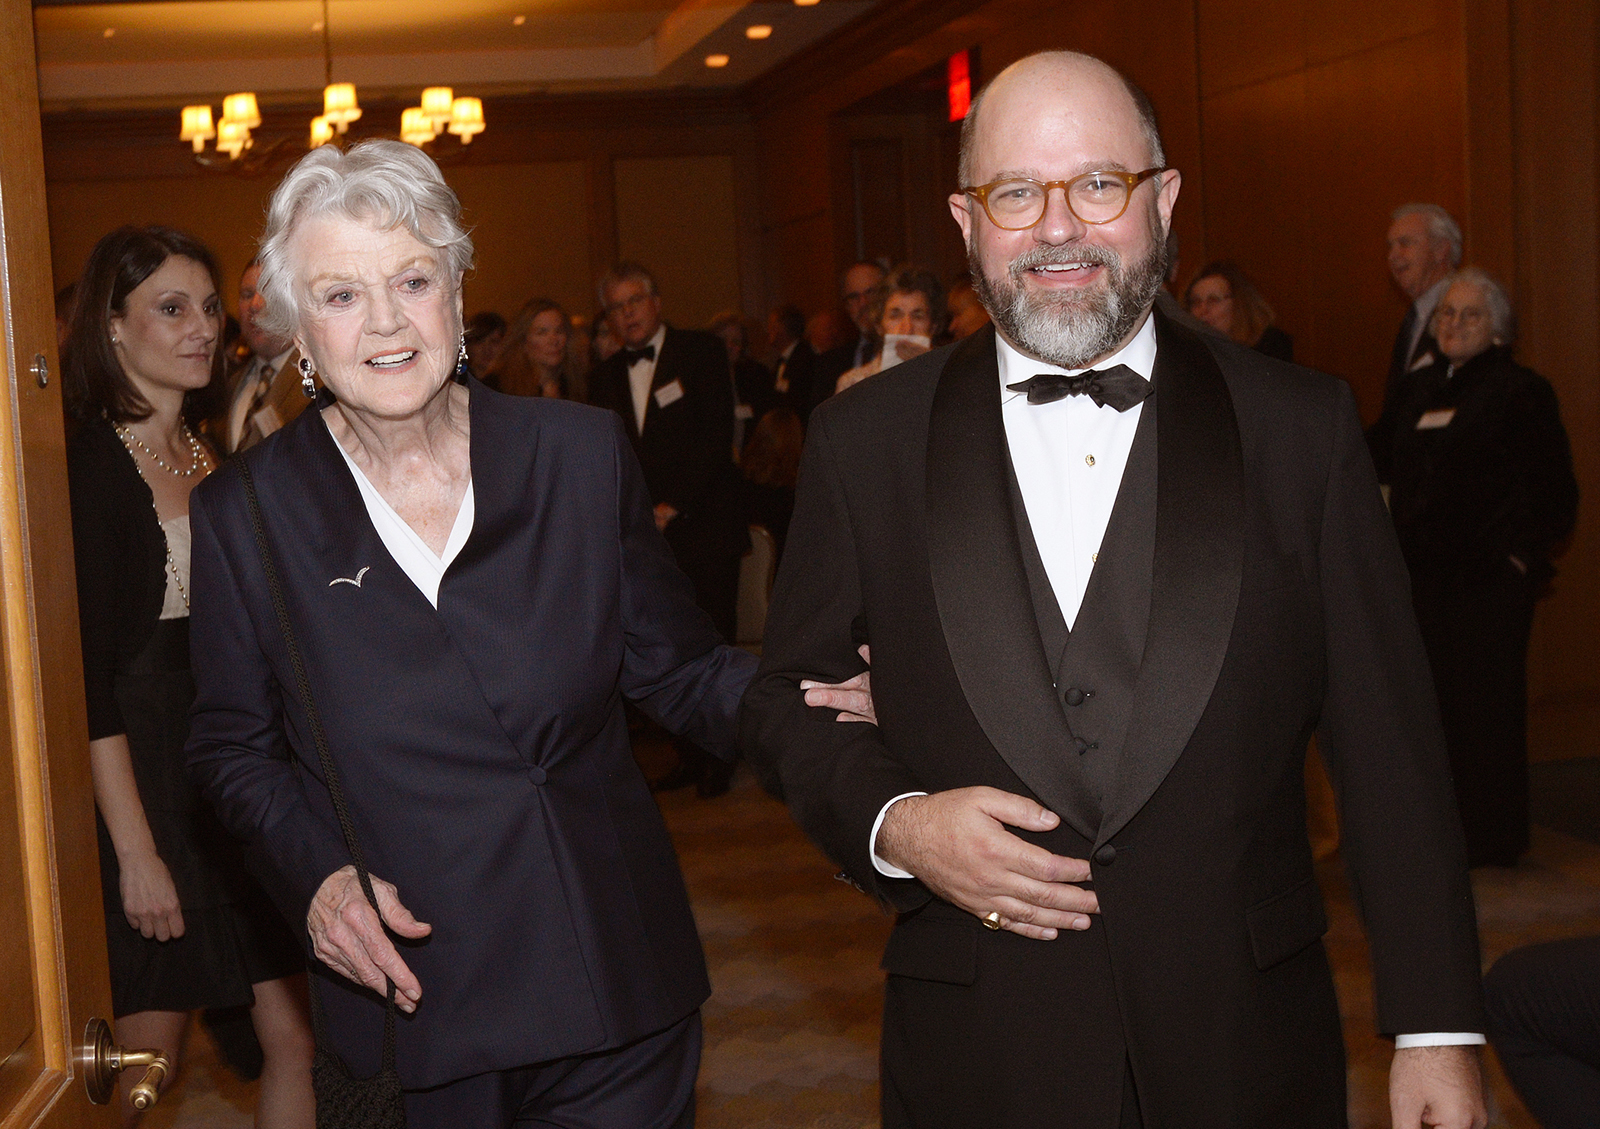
(1106, 855)
(1075, 697)
(536, 774)
(1080, 746)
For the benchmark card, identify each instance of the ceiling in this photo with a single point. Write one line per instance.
(170, 52)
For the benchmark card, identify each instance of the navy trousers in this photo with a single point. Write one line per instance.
(644, 1085)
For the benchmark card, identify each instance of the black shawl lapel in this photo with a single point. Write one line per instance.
(666, 370)
(341, 531)
(981, 587)
(504, 447)
(1199, 562)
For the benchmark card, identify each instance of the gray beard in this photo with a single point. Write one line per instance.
(1070, 332)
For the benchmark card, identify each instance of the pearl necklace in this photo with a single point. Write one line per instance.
(196, 452)
(125, 434)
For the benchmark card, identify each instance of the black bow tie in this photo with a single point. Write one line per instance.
(1118, 386)
(631, 357)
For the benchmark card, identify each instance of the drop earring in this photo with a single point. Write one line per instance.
(307, 372)
(463, 370)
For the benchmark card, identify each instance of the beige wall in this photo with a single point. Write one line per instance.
(678, 215)
(226, 213)
(527, 224)
(523, 249)
(554, 193)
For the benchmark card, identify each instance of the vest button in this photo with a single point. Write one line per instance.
(1106, 855)
(536, 774)
(1080, 746)
(1075, 697)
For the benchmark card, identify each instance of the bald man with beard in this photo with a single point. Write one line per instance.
(1113, 575)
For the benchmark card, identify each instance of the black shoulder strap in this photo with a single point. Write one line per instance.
(329, 773)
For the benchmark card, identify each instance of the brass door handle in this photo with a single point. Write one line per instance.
(103, 1061)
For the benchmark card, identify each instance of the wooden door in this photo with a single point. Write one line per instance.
(52, 934)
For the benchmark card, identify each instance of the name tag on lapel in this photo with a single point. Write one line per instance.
(1422, 362)
(1432, 421)
(669, 394)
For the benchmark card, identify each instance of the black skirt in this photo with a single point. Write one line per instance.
(233, 936)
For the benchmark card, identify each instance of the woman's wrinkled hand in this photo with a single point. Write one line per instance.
(348, 937)
(149, 899)
(853, 699)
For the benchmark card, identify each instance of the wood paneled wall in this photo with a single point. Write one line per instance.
(1555, 205)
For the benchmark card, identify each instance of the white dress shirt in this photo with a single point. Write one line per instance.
(425, 568)
(1069, 457)
(640, 376)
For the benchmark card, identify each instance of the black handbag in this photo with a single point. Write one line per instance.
(343, 1102)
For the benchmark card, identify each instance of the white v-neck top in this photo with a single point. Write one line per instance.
(410, 551)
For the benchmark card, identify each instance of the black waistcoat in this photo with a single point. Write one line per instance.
(1095, 665)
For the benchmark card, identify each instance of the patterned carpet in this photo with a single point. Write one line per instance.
(791, 1029)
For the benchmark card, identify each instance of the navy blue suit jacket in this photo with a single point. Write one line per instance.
(482, 745)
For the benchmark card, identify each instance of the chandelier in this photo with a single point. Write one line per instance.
(439, 111)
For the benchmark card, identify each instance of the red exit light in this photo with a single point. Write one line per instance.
(958, 84)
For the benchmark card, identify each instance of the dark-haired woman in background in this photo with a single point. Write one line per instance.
(533, 361)
(1222, 296)
(185, 927)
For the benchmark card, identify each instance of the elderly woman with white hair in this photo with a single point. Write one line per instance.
(1483, 496)
(475, 584)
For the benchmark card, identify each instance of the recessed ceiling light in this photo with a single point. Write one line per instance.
(804, 3)
(518, 21)
(716, 60)
(758, 31)
(110, 31)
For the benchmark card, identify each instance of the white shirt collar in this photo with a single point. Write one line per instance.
(1139, 354)
(275, 362)
(656, 339)
(789, 350)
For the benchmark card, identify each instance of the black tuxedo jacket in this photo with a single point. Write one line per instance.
(1409, 377)
(801, 376)
(482, 746)
(686, 448)
(1277, 606)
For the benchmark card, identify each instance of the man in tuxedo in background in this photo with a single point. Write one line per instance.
(672, 388)
(1424, 248)
(1113, 573)
(794, 369)
(266, 390)
(856, 288)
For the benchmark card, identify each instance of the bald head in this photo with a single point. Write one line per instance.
(1056, 76)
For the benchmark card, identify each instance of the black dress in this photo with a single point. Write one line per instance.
(137, 682)
(1483, 494)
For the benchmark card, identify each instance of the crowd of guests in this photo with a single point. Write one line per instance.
(1469, 445)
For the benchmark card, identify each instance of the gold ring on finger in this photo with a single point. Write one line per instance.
(991, 920)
